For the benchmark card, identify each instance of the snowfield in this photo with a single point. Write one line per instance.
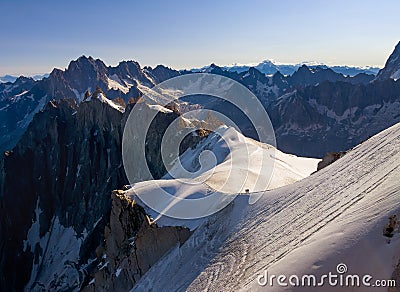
(334, 216)
(226, 162)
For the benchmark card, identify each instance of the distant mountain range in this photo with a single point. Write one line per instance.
(269, 68)
(22, 99)
(12, 79)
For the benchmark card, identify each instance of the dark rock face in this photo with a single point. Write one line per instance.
(65, 171)
(333, 115)
(161, 73)
(305, 76)
(132, 245)
(330, 158)
(392, 66)
(20, 85)
(55, 192)
(84, 74)
(17, 107)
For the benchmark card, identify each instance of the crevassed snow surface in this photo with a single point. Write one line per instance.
(334, 216)
(237, 163)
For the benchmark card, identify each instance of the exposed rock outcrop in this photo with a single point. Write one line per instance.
(132, 245)
(330, 158)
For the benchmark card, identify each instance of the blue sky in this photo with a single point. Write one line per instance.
(39, 35)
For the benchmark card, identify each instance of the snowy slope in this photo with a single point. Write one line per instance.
(56, 264)
(111, 103)
(226, 162)
(334, 216)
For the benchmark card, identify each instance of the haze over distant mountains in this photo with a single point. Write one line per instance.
(11, 78)
(269, 67)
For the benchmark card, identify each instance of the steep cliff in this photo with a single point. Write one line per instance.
(132, 245)
(55, 191)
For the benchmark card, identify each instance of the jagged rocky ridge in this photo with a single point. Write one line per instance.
(19, 103)
(55, 193)
(333, 116)
(21, 100)
(269, 68)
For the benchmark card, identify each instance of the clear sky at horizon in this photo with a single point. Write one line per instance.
(39, 35)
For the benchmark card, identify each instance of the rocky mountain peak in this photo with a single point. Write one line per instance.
(304, 69)
(84, 63)
(127, 68)
(267, 62)
(306, 75)
(215, 69)
(161, 73)
(278, 76)
(253, 71)
(22, 79)
(94, 69)
(392, 66)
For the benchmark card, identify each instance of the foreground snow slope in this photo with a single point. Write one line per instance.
(334, 216)
(226, 162)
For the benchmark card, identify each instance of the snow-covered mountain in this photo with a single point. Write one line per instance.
(333, 116)
(334, 216)
(77, 163)
(315, 111)
(21, 100)
(237, 167)
(8, 78)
